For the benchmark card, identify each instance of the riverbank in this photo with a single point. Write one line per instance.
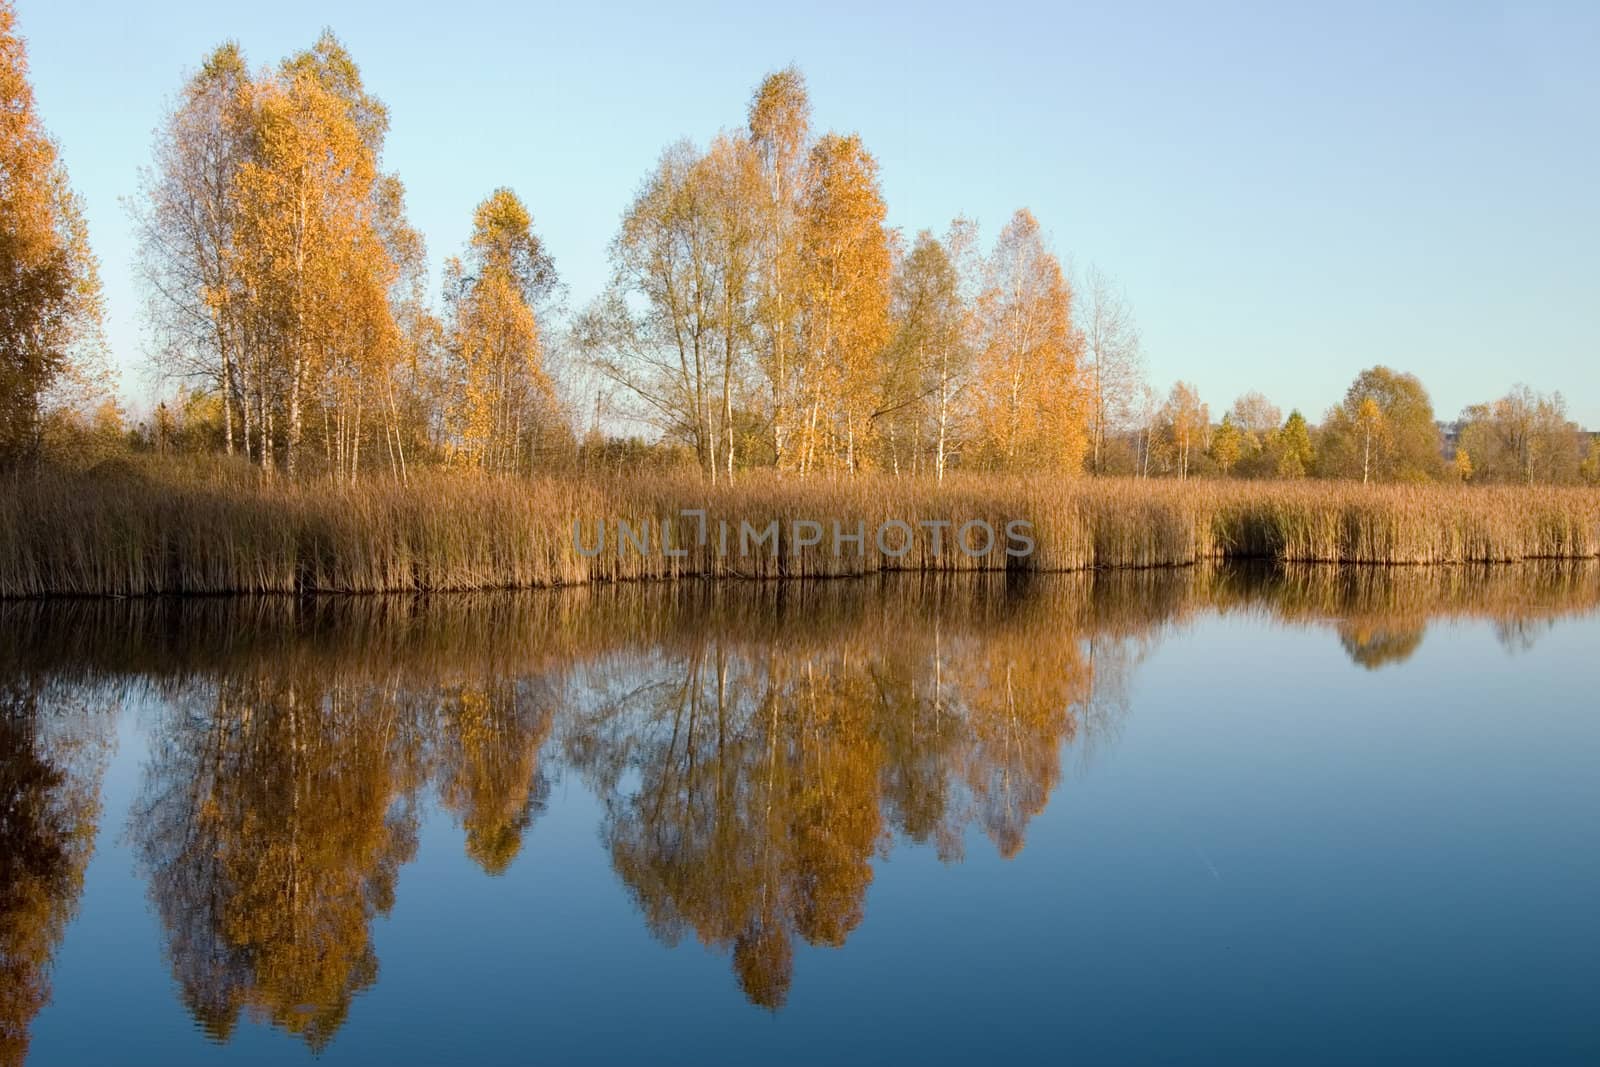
(176, 529)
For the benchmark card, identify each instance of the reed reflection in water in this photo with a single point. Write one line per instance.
(756, 748)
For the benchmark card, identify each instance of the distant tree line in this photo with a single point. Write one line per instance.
(1384, 430)
(760, 315)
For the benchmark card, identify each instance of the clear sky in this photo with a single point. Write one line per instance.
(1287, 195)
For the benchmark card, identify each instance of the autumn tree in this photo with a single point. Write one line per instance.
(657, 332)
(1258, 421)
(278, 259)
(1255, 415)
(1589, 470)
(1383, 431)
(779, 131)
(186, 222)
(411, 388)
(51, 347)
(294, 206)
(1524, 436)
(733, 181)
(1029, 401)
(1227, 444)
(1294, 455)
(844, 303)
(928, 362)
(309, 247)
(1186, 422)
(1113, 367)
(1370, 423)
(500, 394)
(1148, 429)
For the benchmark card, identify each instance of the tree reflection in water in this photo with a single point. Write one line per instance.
(767, 776)
(756, 747)
(278, 810)
(54, 738)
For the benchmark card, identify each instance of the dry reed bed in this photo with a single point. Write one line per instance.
(178, 531)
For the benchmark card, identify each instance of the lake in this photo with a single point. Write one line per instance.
(1214, 814)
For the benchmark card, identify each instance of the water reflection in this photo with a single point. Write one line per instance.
(490, 738)
(756, 748)
(53, 743)
(278, 810)
(749, 783)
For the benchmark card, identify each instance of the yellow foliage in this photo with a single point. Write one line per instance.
(844, 304)
(51, 350)
(1031, 405)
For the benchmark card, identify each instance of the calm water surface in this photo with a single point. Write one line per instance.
(1176, 817)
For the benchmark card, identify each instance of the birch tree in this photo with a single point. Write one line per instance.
(1187, 421)
(1030, 402)
(1384, 430)
(1113, 365)
(501, 394)
(844, 304)
(655, 331)
(779, 123)
(930, 358)
(730, 175)
(186, 221)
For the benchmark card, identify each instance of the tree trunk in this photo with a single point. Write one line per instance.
(227, 381)
(355, 444)
(292, 446)
(944, 418)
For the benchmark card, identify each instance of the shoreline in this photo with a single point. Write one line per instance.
(777, 580)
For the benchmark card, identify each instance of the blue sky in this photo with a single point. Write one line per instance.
(1286, 195)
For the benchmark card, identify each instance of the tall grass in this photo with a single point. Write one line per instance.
(173, 529)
